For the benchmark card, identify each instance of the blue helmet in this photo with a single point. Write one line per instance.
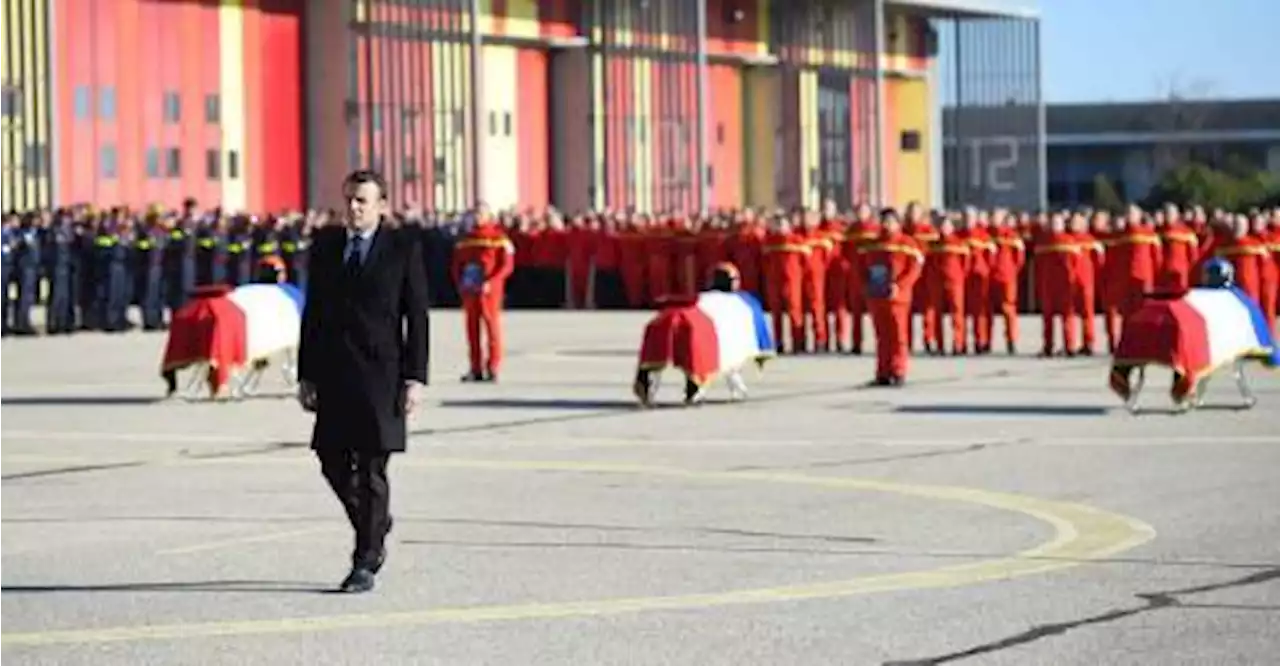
(1219, 272)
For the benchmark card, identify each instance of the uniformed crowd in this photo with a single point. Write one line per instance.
(819, 272)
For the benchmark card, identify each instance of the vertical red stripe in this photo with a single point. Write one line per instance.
(658, 133)
(559, 18)
(186, 42)
(890, 146)
(282, 118)
(77, 152)
(725, 135)
(362, 97)
(254, 140)
(170, 38)
(427, 123)
(147, 66)
(131, 90)
(107, 132)
(532, 129)
(210, 46)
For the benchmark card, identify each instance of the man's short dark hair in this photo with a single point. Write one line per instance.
(362, 176)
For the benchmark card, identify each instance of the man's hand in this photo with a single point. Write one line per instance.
(412, 395)
(307, 396)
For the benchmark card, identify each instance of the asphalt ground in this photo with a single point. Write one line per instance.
(997, 510)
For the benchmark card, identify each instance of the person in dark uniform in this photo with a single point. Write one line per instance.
(239, 253)
(28, 274)
(362, 360)
(211, 251)
(111, 260)
(293, 250)
(86, 232)
(8, 242)
(148, 264)
(180, 261)
(62, 266)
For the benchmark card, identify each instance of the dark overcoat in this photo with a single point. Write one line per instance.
(364, 334)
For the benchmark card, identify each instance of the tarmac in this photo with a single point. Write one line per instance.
(996, 510)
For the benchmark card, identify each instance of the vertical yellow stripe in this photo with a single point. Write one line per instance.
(597, 171)
(441, 127)
(625, 14)
(502, 166)
(8, 125)
(760, 164)
(486, 18)
(808, 85)
(911, 106)
(28, 86)
(43, 135)
(522, 18)
(642, 155)
(231, 82)
(462, 149)
(762, 27)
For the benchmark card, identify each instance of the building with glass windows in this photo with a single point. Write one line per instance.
(265, 104)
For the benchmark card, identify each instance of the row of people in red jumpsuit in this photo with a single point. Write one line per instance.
(821, 275)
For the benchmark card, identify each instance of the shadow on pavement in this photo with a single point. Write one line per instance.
(553, 403)
(272, 586)
(1005, 410)
(66, 400)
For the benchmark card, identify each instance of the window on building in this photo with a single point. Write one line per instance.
(439, 169)
(711, 176)
(212, 109)
(35, 160)
(506, 123)
(409, 169)
(153, 162)
(213, 164)
(12, 101)
(233, 164)
(493, 123)
(82, 103)
(375, 117)
(719, 134)
(173, 163)
(107, 103)
(172, 107)
(910, 141)
(107, 161)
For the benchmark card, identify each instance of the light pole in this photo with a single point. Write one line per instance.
(878, 96)
(701, 150)
(477, 107)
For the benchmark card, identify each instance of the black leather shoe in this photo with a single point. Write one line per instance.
(471, 377)
(359, 580)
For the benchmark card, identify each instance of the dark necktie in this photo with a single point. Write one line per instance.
(355, 258)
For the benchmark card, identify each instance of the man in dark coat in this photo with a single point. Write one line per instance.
(362, 362)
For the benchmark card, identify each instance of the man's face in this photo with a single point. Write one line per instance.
(365, 205)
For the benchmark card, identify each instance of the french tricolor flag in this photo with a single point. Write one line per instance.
(1194, 334)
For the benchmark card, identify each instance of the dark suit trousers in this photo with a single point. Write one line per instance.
(359, 479)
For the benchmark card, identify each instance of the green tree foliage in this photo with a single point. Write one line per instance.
(1232, 188)
(1105, 196)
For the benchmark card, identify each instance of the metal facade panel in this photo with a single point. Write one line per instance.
(993, 139)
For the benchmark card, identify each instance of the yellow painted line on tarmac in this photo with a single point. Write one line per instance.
(1081, 533)
(240, 541)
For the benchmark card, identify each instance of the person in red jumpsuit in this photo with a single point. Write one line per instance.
(1180, 245)
(945, 273)
(1268, 272)
(745, 247)
(633, 262)
(863, 230)
(785, 252)
(482, 262)
(1059, 262)
(815, 279)
(1092, 256)
(1245, 252)
(583, 241)
(1006, 271)
(837, 294)
(660, 251)
(919, 227)
(892, 264)
(977, 289)
(1133, 259)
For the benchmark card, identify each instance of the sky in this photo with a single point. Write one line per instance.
(1133, 50)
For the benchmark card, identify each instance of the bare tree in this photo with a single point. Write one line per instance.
(1184, 108)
